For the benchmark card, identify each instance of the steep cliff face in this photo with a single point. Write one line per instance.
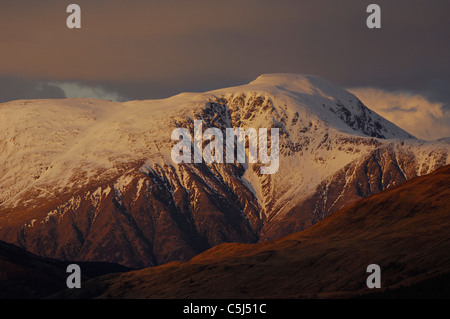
(94, 180)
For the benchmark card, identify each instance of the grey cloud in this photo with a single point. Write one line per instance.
(79, 90)
(13, 88)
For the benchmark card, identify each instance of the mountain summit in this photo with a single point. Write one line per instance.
(313, 96)
(93, 180)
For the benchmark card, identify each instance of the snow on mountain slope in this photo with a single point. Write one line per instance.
(63, 142)
(94, 180)
(314, 95)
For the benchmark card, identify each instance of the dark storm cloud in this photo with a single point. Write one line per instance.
(151, 49)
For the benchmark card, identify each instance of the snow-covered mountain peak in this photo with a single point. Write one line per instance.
(79, 174)
(299, 83)
(309, 95)
(58, 145)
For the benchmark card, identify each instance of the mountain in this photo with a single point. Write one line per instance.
(94, 180)
(404, 230)
(24, 275)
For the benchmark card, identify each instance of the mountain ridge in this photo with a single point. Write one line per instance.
(94, 180)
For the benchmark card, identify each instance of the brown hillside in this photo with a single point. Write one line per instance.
(405, 230)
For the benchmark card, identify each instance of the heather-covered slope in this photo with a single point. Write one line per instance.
(404, 230)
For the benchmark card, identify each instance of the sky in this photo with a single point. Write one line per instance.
(143, 49)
